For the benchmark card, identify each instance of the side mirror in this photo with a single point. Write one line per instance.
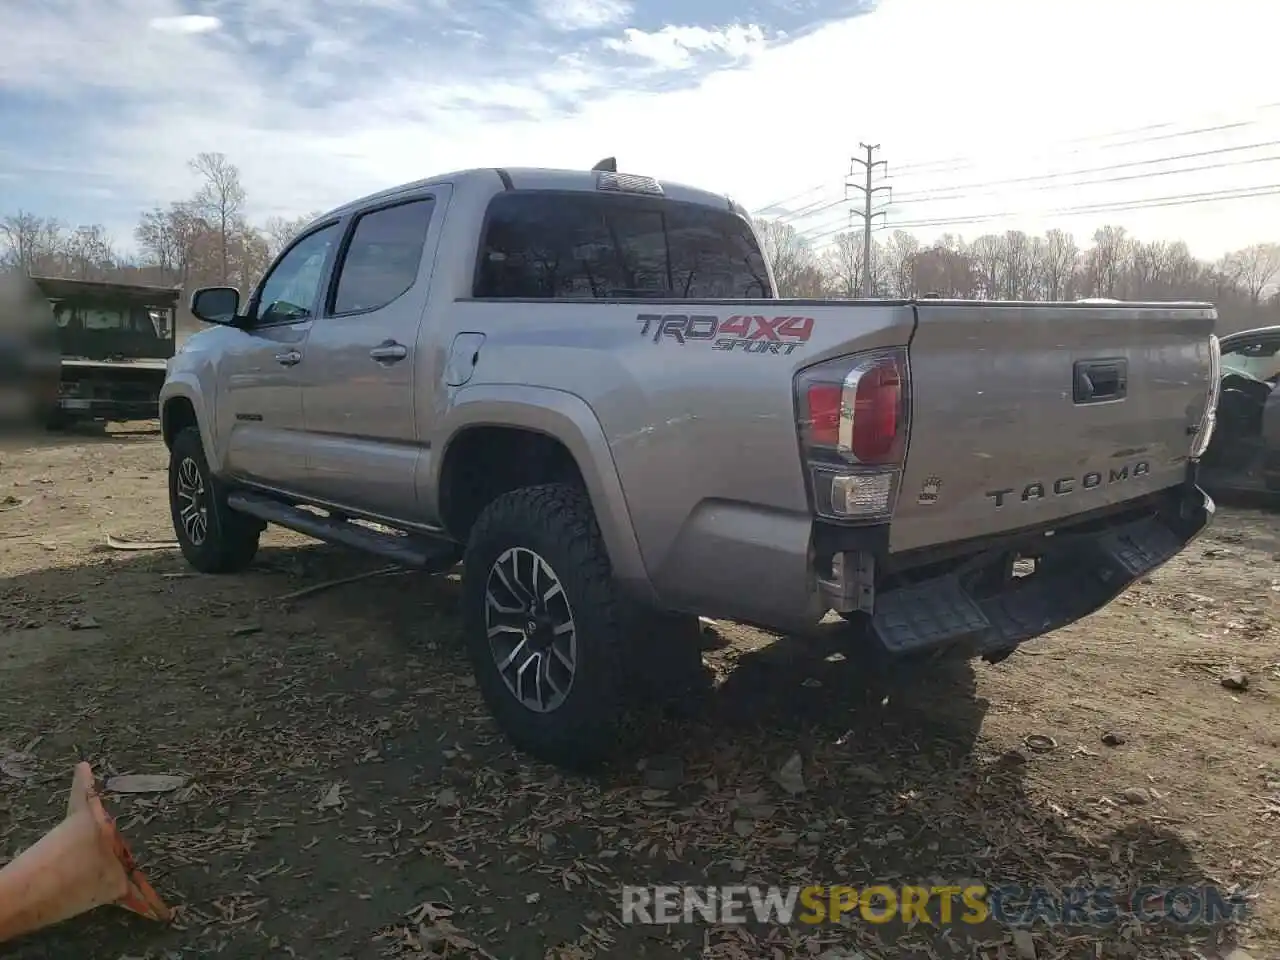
(216, 305)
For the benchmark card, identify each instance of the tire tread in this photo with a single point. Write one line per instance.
(232, 542)
(587, 734)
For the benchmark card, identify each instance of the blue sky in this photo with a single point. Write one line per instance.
(318, 101)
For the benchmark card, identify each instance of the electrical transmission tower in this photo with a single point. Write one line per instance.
(867, 213)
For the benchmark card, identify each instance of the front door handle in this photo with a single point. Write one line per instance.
(389, 352)
(289, 358)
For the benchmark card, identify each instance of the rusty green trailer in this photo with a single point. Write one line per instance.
(115, 340)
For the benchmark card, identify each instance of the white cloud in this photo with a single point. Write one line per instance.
(583, 14)
(187, 23)
(927, 79)
(673, 48)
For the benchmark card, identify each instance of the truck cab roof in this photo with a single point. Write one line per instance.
(499, 179)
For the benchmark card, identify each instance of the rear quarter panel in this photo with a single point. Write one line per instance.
(703, 439)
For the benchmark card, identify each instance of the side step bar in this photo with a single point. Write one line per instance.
(408, 550)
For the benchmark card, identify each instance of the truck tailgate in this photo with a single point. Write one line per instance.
(1026, 414)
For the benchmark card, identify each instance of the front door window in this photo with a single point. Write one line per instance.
(289, 293)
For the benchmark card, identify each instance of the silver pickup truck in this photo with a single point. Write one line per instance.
(582, 386)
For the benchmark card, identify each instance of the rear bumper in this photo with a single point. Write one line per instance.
(979, 607)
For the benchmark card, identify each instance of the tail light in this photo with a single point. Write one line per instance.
(853, 428)
(1209, 419)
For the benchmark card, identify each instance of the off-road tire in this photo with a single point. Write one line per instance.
(556, 522)
(231, 539)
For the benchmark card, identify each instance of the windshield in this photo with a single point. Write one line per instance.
(112, 319)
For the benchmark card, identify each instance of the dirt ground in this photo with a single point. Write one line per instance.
(347, 795)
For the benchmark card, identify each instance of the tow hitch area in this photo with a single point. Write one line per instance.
(991, 604)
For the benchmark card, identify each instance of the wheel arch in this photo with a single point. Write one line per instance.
(553, 421)
(181, 406)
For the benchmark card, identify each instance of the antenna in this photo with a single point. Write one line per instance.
(607, 165)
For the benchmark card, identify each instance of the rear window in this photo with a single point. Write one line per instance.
(584, 246)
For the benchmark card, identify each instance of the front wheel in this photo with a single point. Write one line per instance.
(212, 536)
(544, 626)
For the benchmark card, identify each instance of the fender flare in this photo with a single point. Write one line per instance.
(567, 418)
(184, 386)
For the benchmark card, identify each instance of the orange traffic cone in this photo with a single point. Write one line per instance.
(80, 864)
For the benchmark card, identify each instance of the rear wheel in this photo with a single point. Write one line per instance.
(212, 536)
(544, 624)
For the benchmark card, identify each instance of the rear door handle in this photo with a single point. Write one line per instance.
(389, 352)
(289, 358)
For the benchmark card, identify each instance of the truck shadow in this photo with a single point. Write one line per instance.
(1260, 501)
(267, 704)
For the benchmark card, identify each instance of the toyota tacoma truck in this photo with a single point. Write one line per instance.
(582, 386)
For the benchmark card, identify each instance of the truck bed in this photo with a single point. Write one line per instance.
(999, 438)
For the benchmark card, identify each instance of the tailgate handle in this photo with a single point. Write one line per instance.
(1097, 381)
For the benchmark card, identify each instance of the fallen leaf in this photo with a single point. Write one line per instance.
(790, 776)
(145, 783)
(18, 764)
(332, 797)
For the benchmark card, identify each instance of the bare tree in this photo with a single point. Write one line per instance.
(21, 233)
(842, 263)
(1108, 261)
(1150, 262)
(158, 239)
(251, 255)
(89, 253)
(1184, 273)
(280, 231)
(1016, 266)
(899, 259)
(787, 252)
(943, 270)
(220, 200)
(1059, 264)
(988, 259)
(1254, 268)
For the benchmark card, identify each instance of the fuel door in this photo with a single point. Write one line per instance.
(464, 354)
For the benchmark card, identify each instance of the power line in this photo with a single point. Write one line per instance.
(923, 198)
(1126, 165)
(1051, 148)
(966, 162)
(796, 196)
(1058, 155)
(953, 194)
(806, 212)
(1250, 161)
(1174, 200)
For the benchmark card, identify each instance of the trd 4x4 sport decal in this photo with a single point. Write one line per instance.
(745, 334)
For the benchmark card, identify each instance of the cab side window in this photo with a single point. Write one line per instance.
(381, 261)
(289, 292)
